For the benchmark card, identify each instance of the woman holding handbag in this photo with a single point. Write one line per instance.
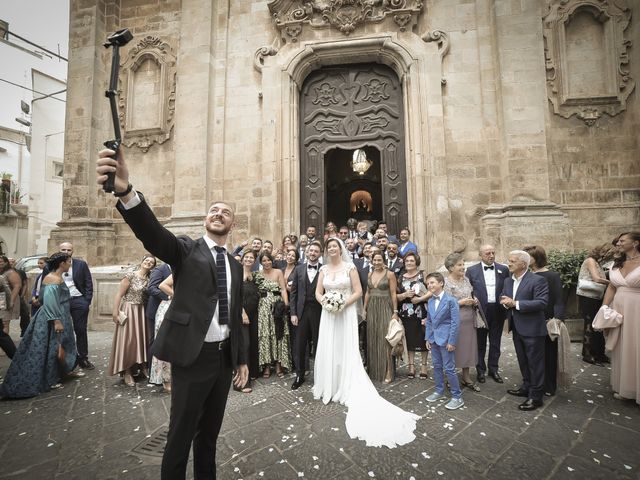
(592, 282)
(458, 285)
(47, 352)
(129, 347)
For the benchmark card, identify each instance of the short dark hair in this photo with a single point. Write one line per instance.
(247, 252)
(538, 254)
(256, 238)
(376, 253)
(265, 254)
(437, 275)
(415, 256)
(267, 241)
(407, 229)
(316, 243)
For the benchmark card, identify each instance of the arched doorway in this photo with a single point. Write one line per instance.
(342, 109)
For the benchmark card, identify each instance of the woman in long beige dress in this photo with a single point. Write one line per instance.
(380, 304)
(129, 346)
(623, 296)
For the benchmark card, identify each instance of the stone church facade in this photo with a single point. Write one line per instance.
(500, 121)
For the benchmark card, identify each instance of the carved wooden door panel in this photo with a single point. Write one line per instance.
(351, 107)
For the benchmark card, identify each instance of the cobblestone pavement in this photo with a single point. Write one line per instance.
(97, 428)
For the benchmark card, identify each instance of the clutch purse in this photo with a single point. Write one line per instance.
(122, 317)
(590, 288)
(480, 319)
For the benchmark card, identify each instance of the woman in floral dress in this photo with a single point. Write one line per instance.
(273, 331)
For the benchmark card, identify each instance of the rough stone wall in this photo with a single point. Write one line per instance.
(506, 157)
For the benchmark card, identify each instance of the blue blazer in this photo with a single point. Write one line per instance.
(475, 274)
(156, 277)
(443, 324)
(533, 296)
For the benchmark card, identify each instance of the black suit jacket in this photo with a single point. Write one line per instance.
(299, 288)
(187, 320)
(363, 273)
(532, 297)
(475, 274)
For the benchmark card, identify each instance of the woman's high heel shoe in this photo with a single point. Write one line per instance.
(128, 380)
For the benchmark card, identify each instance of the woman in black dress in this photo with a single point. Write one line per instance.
(412, 303)
(555, 309)
(250, 299)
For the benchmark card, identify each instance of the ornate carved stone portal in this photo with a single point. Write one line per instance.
(586, 57)
(292, 17)
(356, 106)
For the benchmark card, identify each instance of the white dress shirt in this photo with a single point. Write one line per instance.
(71, 285)
(516, 284)
(490, 282)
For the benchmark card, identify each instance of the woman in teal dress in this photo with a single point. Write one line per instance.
(39, 364)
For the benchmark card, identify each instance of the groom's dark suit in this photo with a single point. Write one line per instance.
(201, 371)
(304, 305)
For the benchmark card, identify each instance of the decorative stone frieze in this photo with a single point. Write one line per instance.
(293, 17)
(586, 57)
(147, 93)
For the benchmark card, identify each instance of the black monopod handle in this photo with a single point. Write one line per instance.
(110, 185)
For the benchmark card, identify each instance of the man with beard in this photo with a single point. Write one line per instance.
(201, 334)
(305, 309)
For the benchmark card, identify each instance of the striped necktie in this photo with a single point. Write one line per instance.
(221, 278)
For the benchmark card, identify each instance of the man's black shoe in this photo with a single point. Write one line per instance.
(481, 378)
(496, 376)
(86, 365)
(530, 404)
(297, 383)
(518, 392)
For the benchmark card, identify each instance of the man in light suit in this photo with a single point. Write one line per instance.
(441, 333)
(525, 297)
(80, 284)
(201, 334)
(305, 309)
(487, 279)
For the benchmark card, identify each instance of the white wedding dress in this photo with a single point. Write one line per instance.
(339, 376)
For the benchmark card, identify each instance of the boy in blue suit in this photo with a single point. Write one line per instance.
(443, 322)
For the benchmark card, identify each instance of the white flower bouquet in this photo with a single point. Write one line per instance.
(333, 302)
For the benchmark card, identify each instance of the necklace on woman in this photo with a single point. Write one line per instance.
(634, 257)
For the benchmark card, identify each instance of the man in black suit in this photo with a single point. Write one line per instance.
(80, 284)
(202, 333)
(394, 262)
(363, 266)
(156, 296)
(487, 279)
(305, 309)
(525, 296)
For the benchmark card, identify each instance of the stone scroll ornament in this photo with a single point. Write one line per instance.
(575, 87)
(147, 93)
(295, 17)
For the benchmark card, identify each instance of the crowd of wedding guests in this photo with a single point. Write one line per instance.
(459, 317)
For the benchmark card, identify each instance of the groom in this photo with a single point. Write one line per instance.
(305, 309)
(202, 332)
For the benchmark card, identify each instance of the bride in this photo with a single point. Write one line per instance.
(339, 375)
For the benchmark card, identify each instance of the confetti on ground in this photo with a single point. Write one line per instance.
(627, 466)
(570, 469)
(483, 434)
(371, 474)
(440, 472)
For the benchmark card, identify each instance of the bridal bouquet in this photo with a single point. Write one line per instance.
(333, 302)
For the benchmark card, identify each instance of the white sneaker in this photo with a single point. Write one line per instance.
(435, 396)
(454, 404)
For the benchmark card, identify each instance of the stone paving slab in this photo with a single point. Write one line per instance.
(96, 427)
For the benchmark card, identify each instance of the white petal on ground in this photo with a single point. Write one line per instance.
(570, 469)
(371, 474)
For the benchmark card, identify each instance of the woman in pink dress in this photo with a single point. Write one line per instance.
(623, 296)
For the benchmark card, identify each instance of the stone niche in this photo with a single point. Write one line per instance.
(586, 57)
(147, 93)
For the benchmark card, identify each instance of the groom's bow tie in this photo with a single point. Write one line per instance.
(314, 267)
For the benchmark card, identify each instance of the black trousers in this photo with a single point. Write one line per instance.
(307, 331)
(25, 315)
(6, 344)
(530, 352)
(198, 398)
(592, 342)
(495, 319)
(80, 316)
